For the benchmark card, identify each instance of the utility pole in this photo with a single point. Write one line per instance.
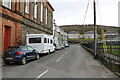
(95, 30)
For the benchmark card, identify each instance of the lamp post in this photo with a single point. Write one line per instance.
(95, 31)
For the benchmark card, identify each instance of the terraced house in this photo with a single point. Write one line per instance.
(21, 18)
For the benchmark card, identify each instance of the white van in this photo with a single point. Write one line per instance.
(41, 42)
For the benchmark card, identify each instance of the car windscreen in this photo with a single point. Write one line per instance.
(11, 49)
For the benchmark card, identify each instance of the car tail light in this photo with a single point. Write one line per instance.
(18, 53)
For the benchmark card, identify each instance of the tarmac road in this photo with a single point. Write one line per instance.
(71, 62)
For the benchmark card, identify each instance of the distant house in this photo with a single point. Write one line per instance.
(89, 35)
(60, 37)
(111, 36)
(73, 36)
(117, 38)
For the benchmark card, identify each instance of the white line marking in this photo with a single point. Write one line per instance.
(105, 76)
(42, 74)
(60, 58)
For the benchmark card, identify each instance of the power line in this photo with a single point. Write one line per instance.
(86, 11)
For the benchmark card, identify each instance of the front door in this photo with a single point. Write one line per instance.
(6, 37)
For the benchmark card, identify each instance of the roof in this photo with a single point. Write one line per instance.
(111, 32)
(36, 35)
(89, 32)
(50, 5)
(116, 38)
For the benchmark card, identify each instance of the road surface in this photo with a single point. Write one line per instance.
(71, 62)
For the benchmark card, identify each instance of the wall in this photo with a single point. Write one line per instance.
(1, 45)
(35, 26)
(22, 23)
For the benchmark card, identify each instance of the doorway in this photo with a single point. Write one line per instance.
(7, 37)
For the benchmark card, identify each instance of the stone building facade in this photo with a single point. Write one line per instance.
(60, 37)
(21, 18)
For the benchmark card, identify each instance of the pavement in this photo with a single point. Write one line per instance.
(1, 61)
(71, 62)
(1, 66)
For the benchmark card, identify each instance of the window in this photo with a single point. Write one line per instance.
(30, 48)
(27, 6)
(24, 48)
(46, 15)
(41, 12)
(10, 49)
(35, 40)
(45, 40)
(6, 3)
(35, 9)
(51, 41)
(48, 40)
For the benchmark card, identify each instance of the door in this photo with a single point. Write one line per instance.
(26, 52)
(7, 37)
(32, 52)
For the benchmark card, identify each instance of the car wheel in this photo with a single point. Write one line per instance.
(23, 60)
(37, 56)
(48, 52)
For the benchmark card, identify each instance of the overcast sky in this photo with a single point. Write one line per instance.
(68, 12)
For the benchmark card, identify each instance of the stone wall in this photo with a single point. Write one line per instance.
(28, 30)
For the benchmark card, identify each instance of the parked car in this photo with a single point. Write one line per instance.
(66, 45)
(57, 47)
(20, 54)
(62, 45)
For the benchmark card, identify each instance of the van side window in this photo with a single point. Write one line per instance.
(35, 40)
(51, 41)
(45, 40)
(48, 40)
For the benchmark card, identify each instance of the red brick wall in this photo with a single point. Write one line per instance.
(1, 45)
(16, 32)
(16, 28)
(18, 36)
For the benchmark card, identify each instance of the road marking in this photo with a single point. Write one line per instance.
(105, 76)
(60, 58)
(42, 74)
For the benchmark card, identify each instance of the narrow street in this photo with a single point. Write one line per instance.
(71, 62)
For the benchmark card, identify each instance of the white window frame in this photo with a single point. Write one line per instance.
(41, 12)
(6, 3)
(35, 9)
(27, 6)
(46, 15)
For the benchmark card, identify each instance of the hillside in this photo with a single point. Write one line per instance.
(84, 28)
